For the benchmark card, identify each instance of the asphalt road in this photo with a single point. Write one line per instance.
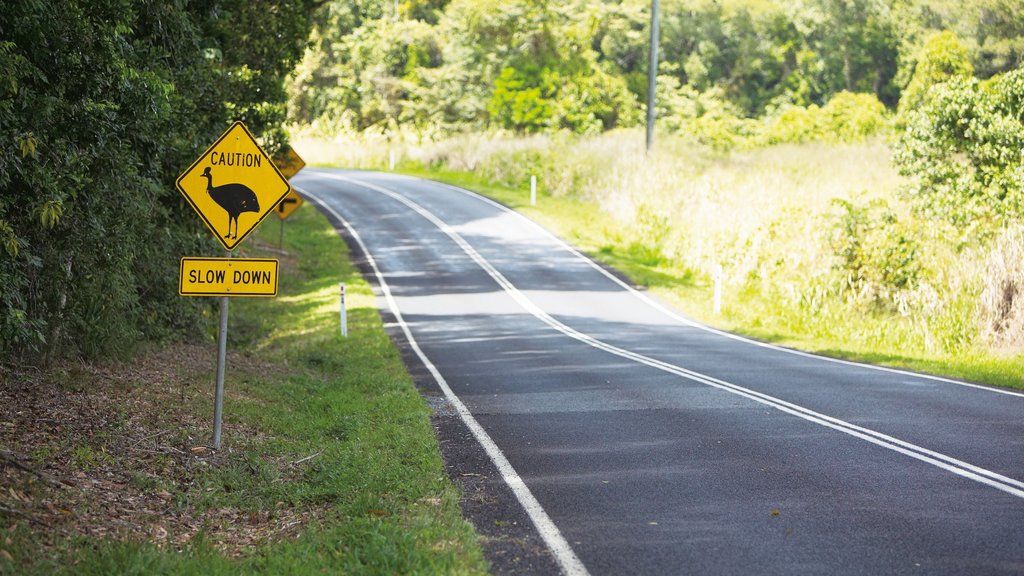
(642, 443)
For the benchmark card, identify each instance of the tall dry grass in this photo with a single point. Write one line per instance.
(1002, 299)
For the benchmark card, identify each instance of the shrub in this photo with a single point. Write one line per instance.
(963, 148)
(794, 125)
(102, 104)
(846, 118)
(850, 118)
(703, 117)
(522, 101)
(942, 58)
(877, 254)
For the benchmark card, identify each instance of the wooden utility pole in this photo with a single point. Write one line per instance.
(652, 74)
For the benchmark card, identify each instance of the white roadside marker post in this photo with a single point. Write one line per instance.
(718, 288)
(343, 313)
(533, 190)
(391, 161)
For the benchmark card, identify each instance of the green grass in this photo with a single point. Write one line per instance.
(350, 400)
(314, 424)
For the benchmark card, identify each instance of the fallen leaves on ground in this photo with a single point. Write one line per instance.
(115, 451)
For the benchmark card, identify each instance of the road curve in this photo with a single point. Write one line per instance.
(640, 442)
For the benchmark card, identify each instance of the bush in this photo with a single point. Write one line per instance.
(103, 103)
(942, 58)
(522, 101)
(877, 254)
(846, 118)
(850, 118)
(794, 125)
(963, 149)
(703, 117)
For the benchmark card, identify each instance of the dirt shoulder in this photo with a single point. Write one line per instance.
(118, 450)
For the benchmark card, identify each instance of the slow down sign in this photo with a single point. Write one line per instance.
(228, 277)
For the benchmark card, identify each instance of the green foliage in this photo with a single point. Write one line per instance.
(765, 54)
(524, 66)
(855, 117)
(877, 254)
(943, 57)
(708, 119)
(847, 118)
(992, 31)
(535, 65)
(522, 99)
(704, 117)
(963, 148)
(102, 104)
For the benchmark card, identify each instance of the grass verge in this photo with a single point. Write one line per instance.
(329, 463)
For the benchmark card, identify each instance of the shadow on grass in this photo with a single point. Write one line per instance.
(641, 269)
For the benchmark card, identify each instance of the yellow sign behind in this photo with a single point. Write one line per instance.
(228, 277)
(289, 162)
(290, 204)
(233, 185)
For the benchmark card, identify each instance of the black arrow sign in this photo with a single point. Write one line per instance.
(280, 206)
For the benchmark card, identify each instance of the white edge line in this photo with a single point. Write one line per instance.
(942, 461)
(689, 322)
(560, 549)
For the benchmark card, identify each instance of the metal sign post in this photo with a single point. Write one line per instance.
(287, 206)
(222, 352)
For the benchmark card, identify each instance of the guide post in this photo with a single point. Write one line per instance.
(343, 313)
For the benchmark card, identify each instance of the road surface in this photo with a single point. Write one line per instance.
(639, 442)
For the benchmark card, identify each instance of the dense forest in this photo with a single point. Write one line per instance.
(103, 103)
(439, 67)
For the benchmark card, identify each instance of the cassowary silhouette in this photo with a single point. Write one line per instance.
(233, 198)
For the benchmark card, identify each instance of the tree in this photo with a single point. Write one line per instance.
(963, 148)
(942, 58)
(105, 102)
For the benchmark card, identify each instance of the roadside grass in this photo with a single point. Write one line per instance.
(774, 219)
(352, 407)
(329, 463)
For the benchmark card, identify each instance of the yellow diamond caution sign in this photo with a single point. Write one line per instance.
(290, 204)
(289, 162)
(233, 185)
(228, 277)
